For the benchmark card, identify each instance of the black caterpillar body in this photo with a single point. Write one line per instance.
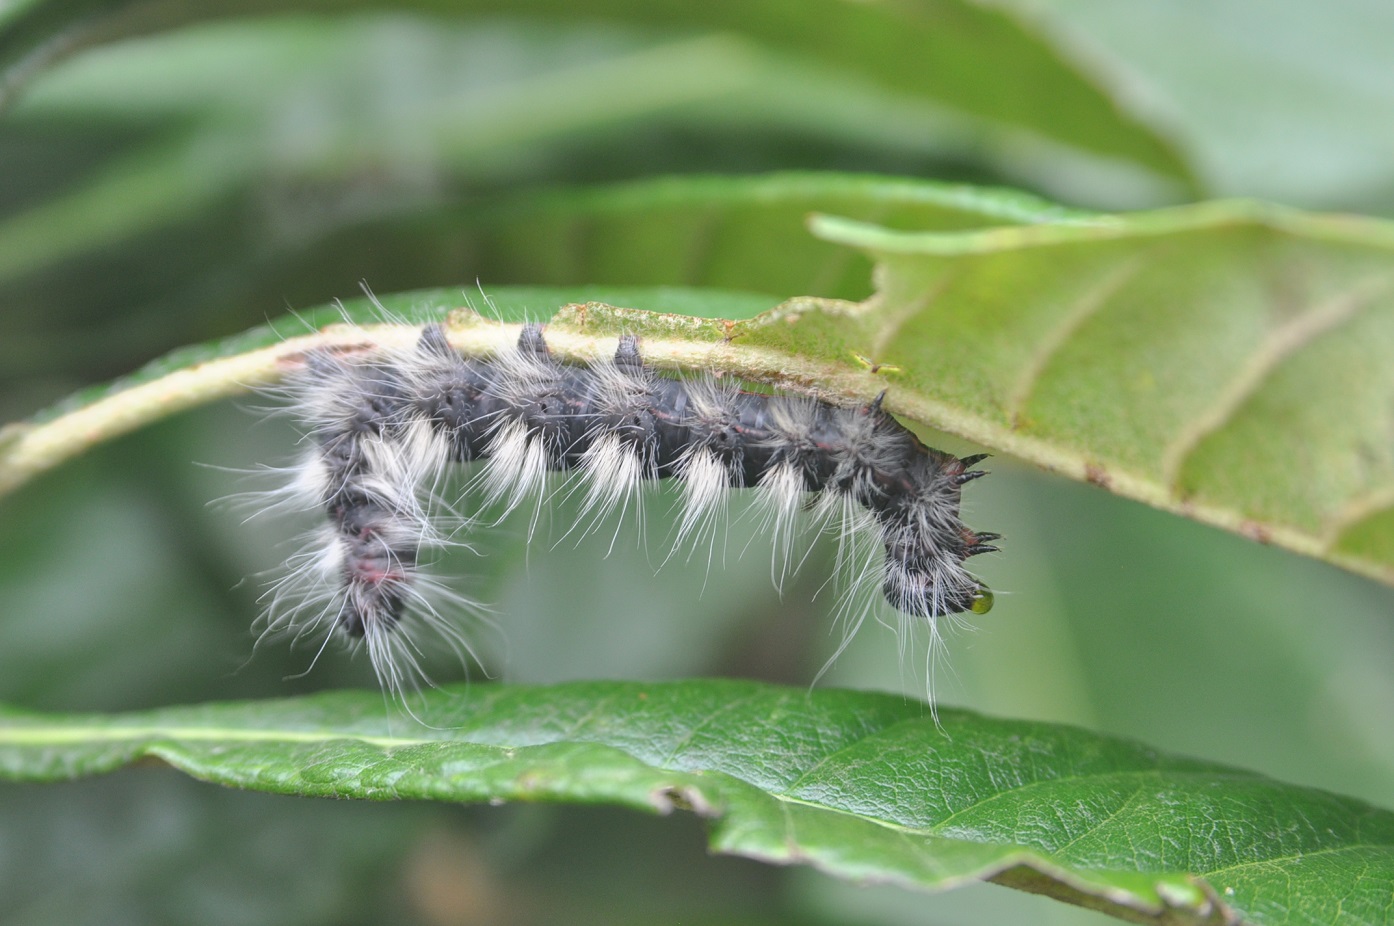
(386, 427)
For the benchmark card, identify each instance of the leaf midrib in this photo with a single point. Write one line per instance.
(153, 735)
(79, 735)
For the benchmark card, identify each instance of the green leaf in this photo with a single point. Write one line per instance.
(975, 60)
(713, 231)
(694, 230)
(1227, 361)
(202, 373)
(860, 785)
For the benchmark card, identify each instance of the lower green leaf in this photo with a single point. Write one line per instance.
(860, 785)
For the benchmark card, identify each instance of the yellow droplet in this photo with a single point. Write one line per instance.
(982, 601)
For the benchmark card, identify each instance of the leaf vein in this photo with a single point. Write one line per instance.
(1299, 856)
(1089, 304)
(1282, 342)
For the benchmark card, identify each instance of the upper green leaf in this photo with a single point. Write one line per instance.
(861, 785)
(972, 59)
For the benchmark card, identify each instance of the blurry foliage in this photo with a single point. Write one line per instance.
(171, 189)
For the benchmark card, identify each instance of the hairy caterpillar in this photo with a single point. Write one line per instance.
(386, 427)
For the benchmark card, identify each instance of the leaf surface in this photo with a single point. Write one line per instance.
(1227, 361)
(860, 785)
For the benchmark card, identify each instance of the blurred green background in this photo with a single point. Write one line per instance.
(169, 189)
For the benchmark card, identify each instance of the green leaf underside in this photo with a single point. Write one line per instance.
(1227, 361)
(860, 785)
(201, 373)
(934, 50)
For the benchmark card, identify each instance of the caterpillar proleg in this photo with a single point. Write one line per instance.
(386, 426)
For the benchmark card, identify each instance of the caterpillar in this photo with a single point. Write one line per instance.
(386, 427)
